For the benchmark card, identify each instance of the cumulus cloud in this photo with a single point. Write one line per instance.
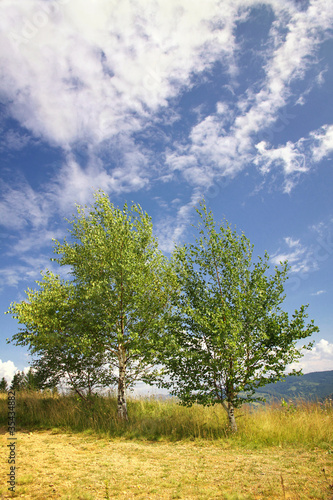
(88, 73)
(320, 358)
(7, 370)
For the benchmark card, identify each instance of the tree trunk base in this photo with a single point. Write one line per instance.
(231, 416)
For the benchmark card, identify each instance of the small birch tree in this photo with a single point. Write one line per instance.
(228, 334)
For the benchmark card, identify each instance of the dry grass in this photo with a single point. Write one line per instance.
(308, 424)
(66, 450)
(74, 466)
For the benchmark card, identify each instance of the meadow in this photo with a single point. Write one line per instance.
(70, 449)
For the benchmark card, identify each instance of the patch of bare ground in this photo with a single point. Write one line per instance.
(77, 466)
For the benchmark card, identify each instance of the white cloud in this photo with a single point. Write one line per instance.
(12, 275)
(319, 292)
(75, 184)
(288, 156)
(88, 73)
(12, 140)
(96, 75)
(299, 257)
(225, 140)
(307, 258)
(291, 242)
(295, 158)
(169, 230)
(76, 74)
(320, 358)
(7, 370)
(323, 142)
(22, 206)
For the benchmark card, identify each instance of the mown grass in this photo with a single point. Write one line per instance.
(302, 422)
(69, 466)
(70, 450)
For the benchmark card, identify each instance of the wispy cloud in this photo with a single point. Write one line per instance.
(78, 86)
(170, 230)
(323, 142)
(319, 292)
(227, 141)
(22, 206)
(28, 269)
(295, 158)
(299, 257)
(67, 77)
(14, 141)
(103, 76)
(305, 258)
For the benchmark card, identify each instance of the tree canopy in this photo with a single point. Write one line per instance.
(53, 330)
(228, 334)
(119, 291)
(210, 315)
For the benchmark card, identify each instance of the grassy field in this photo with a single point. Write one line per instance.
(65, 450)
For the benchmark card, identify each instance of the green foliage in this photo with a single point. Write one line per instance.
(211, 316)
(309, 425)
(30, 381)
(57, 337)
(228, 335)
(18, 381)
(103, 319)
(3, 385)
(123, 282)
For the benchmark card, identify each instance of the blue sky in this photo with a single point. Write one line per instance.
(162, 103)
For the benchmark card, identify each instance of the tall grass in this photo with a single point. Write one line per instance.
(305, 423)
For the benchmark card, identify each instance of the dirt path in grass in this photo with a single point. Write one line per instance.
(71, 466)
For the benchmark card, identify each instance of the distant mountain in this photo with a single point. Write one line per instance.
(311, 386)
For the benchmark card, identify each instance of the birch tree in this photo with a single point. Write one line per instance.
(228, 335)
(125, 284)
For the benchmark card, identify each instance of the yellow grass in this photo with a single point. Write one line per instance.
(307, 424)
(75, 466)
(67, 451)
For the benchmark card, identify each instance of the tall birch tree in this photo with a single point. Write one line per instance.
(228, 334)
(125, 285)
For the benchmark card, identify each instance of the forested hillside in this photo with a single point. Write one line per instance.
(316, 385)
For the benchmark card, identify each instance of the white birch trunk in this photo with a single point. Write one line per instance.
(122, 406)
(231, 415)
